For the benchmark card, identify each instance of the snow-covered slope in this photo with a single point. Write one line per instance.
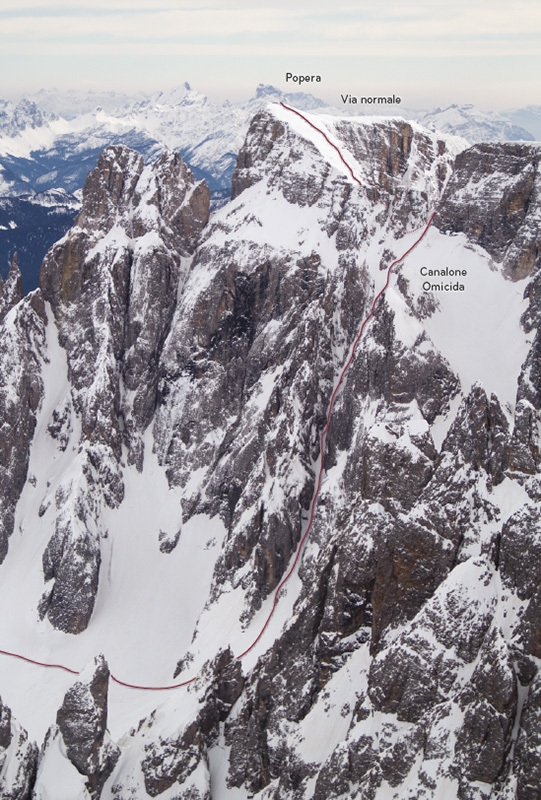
(162, 443)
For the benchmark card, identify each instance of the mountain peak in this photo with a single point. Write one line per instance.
(266, 90)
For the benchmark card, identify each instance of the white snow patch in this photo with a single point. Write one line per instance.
(219, 768)
(57, 778)
(477, 330)
(329, 719)
(509, 496)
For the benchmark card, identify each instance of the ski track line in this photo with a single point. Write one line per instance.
(332, 144)
(348, 166)
(322, 439)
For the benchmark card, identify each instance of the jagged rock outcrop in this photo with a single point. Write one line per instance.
(528, 765)
(112, 284)
(177, 762)
(172, 761)
(23, 346)
(18, 758)
(505, 221)
(524, 450)
(80, 736)
(106, 279)
(480, 434)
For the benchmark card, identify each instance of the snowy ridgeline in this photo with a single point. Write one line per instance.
(163, 396)
(51, 140)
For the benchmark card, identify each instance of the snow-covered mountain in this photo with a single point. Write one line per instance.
(529, 118)
(52, 139)
(164, 398)
(18, 117)
(57, 145)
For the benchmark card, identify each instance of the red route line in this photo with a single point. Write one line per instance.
(325, 430)
(76, 672)
(349, 168)
(332, 144)
(39, 663)
(322, 438)
(153, 688)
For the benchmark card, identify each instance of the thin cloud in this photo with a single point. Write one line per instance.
(414, 30)
(275, 31)
(152, 26)
(479, 45)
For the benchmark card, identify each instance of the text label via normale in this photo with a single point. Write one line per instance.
(369, 99)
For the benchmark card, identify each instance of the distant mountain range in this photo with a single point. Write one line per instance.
(52, 139)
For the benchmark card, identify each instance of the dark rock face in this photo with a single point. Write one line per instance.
(106, 278)
(406, 684)
(480, 434)
(520, 565)
(282, 687)
(172, 761)
(520, 551)
(18, 758)
(82, 721)
(11, 290)
(21, 359)
(72, 560)
(524, 450)
(528, 764)
(508, 180)
(489, 702)
(217, 358)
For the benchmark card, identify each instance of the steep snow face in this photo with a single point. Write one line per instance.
(183, 372)
(477, 329)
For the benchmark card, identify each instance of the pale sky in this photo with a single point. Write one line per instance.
(486, 52)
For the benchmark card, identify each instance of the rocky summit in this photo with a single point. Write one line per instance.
(337, 569)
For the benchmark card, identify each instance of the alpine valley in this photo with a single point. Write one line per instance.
(163, 396)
